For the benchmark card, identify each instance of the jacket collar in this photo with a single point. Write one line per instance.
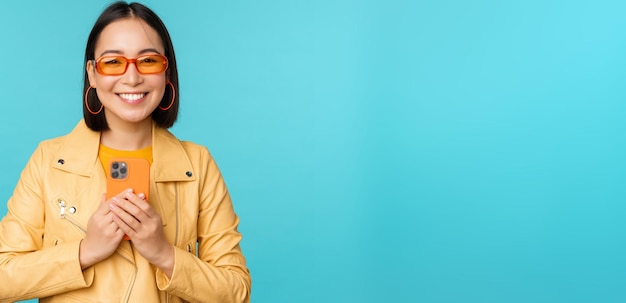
(78, 154)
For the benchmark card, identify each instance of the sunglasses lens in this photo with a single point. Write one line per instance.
(151, 64)
(111, 65)
(116, 65)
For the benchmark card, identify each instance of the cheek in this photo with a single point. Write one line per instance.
(160, 87)
(103, 83)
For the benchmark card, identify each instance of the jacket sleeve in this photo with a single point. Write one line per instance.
(27, 270)
(219, 272)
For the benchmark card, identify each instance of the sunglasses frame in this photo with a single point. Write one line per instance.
(96, 63)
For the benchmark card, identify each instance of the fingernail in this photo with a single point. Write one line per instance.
(112, 206)
(141, 196)
(115, 199)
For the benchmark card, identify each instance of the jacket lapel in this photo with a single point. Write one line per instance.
(170, 160)
(79, 153)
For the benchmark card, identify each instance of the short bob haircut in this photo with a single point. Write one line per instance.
(121, 10)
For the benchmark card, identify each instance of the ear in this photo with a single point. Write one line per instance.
(91, 73)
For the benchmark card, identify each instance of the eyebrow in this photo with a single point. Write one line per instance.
(118, 52)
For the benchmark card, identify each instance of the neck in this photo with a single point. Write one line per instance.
(131, 136)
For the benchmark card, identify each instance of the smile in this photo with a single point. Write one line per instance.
(132, 97)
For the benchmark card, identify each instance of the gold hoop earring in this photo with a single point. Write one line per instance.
(87, 103)
(173, 97)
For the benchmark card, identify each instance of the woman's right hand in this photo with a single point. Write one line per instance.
(103, 236)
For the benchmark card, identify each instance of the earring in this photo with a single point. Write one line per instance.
(87, 103)
(173, 97)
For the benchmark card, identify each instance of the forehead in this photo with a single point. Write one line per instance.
(128, 37)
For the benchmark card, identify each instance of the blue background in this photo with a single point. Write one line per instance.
(379, 151)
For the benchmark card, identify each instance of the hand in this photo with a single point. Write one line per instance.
(103, 236)
(143, 225)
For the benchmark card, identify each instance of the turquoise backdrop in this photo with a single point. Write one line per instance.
(379, 151)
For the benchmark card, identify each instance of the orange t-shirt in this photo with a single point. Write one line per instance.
(106, 154)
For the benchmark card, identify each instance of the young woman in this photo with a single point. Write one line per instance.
(63, 240)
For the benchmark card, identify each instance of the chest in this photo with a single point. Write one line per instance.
(71, 199)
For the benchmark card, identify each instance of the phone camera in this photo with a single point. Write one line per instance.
(119, 170)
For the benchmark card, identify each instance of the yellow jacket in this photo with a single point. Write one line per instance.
(61, 187)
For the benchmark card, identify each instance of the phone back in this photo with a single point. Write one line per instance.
(126, 173)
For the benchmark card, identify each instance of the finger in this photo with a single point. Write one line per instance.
(113, 227)
(119, 234)
(103, 208)
(131, 208)
(107, 224)
(128, 219)
(124, 229)
(109, 219)
(140, 203)
(139, 200)
(111, 230)
(122, 194)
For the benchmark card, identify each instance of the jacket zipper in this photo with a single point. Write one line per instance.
(63, 215)
(62, 212)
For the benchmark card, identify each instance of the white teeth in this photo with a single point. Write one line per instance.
(132, 97)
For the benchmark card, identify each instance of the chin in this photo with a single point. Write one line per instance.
(138, 118)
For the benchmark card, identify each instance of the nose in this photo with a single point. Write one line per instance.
(132, 76)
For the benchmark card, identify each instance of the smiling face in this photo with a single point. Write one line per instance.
(129, 98)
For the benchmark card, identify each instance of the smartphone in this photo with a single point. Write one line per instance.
(124, 173)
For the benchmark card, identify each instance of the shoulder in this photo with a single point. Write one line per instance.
(167, 141)
(53, 143)
(47, 152)
(51, 146)
(194, 147)
(197, 153)
(173, 157)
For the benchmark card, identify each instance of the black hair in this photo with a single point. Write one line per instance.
(121, 10)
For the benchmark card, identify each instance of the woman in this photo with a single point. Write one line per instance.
(63, 240)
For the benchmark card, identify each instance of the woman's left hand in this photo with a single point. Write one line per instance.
(143, 225)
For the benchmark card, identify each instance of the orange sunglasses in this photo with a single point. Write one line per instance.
(117, 65)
